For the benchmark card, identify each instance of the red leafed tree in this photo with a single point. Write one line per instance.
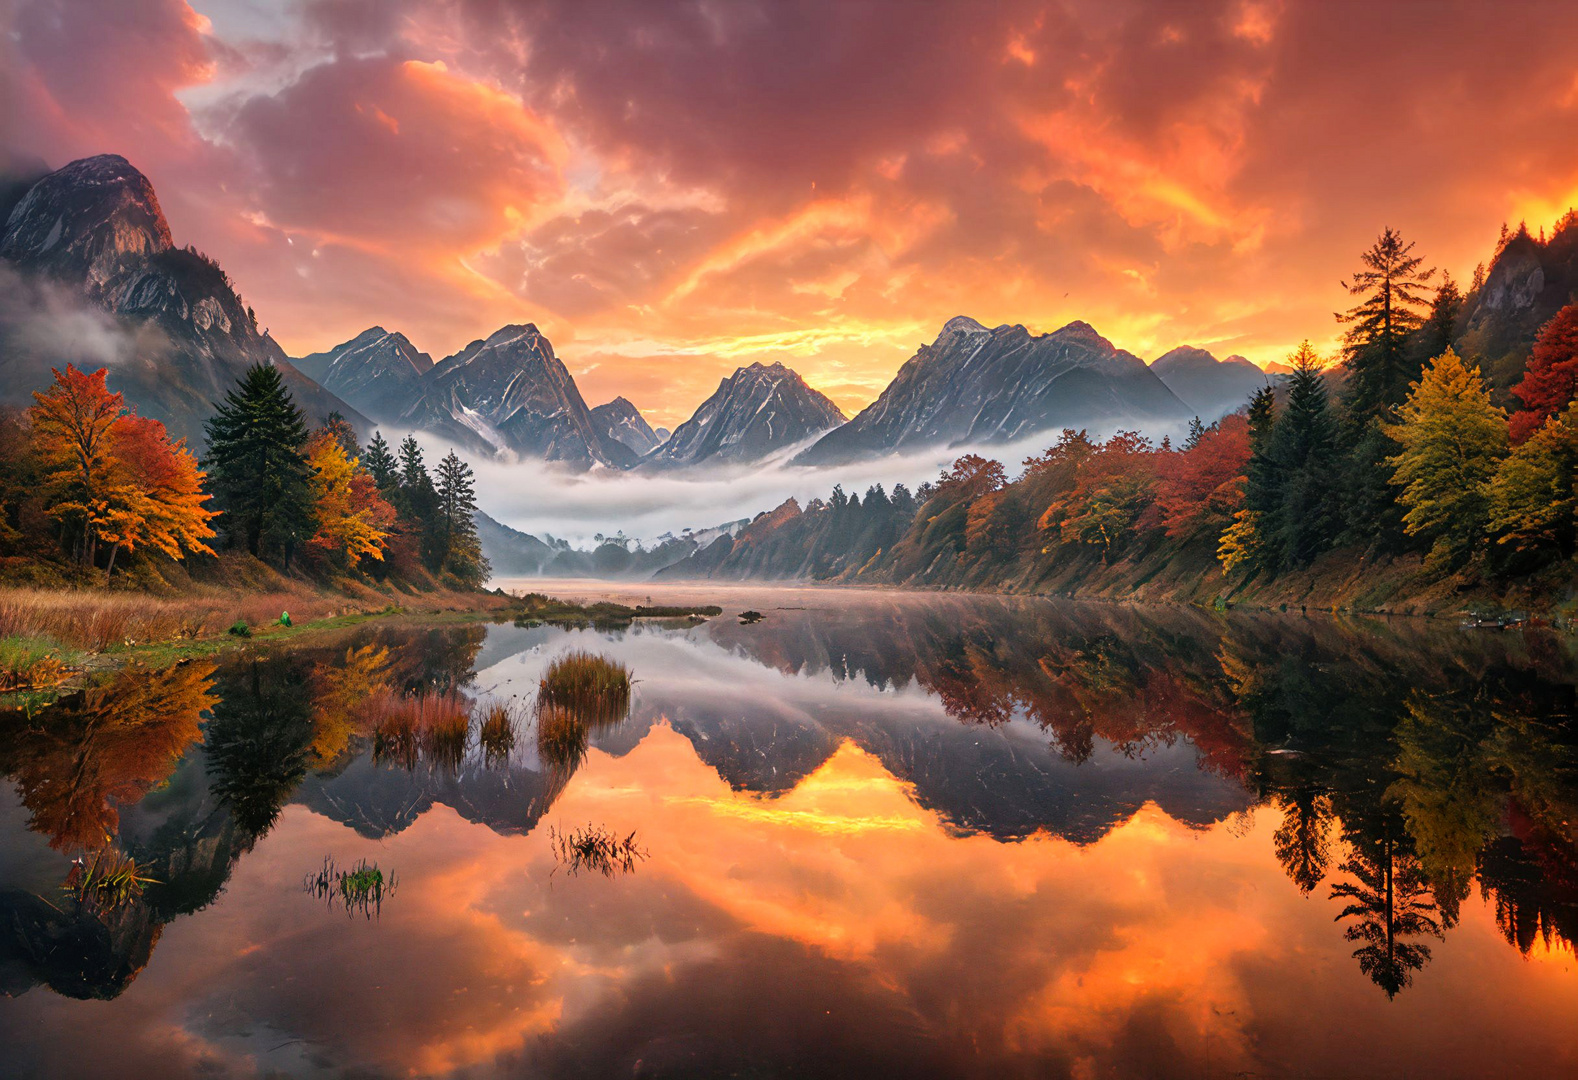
(1551, 380)
(1204, 486)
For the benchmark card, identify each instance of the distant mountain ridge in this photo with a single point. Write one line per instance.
(622, 421)
(974, 386)
(183, 337)
(1211, 387)
(378, 370)
(755, 412)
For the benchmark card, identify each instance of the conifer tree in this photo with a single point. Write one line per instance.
(380, 463)
(1452, 441)
(457, 549)
(1303, 451)
(260, 479)
(1392, 284)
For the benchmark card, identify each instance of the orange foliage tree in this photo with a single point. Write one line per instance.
(114, 476)
(353, 518)
(1203, 487)
(1551, 380)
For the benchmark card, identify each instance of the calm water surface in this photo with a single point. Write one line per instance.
(877, 835)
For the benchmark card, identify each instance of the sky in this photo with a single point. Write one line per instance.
(672, 190)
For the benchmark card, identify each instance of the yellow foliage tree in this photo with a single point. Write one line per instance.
(349, 521)
(1453, 438)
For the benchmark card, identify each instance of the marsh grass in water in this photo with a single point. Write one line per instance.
(536, 608)
(497, 730)
(579, 693)
(595, 848)
(431, 728)
(361, 889)
(106, 879)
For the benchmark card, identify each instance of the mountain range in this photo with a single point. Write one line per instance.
(90, 239)
(97, 280)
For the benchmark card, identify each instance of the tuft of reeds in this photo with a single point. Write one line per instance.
(361, 889)
(431, 728)
(106, 879)
(497, 730)
(596, 848)
(592, 687)
(30, 663)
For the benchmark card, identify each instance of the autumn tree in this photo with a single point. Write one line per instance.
(1551, 379)
(259, 477)
(1202, 487)
(1452, 440)
(1113, 487)
(1245, 544)
(1533, 501)
(114, 477)
(353, 519)
(1392, 287)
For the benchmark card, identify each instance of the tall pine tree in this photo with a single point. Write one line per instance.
(260, 480)
(1303, 450)
(1393, 286)
(380, 463)
(457, 549)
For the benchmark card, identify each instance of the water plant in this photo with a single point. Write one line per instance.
(596, 848)
(361, 889)
(429, 727)
(106, 879)
(579, 692)
(496, 731)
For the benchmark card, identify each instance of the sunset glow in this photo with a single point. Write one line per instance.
(671, 192)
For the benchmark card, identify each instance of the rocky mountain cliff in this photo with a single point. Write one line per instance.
(1211, 387)
(623, 422)
(510, 392)
(377, 371)
(977, 386)
(97, 280)
(755, 412)
(1529, 281)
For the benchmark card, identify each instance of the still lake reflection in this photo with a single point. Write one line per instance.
(881, 835)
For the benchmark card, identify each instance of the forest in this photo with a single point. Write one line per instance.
(1396, 465)
(94, 494)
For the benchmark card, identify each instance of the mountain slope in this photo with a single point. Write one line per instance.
(511, 392)
(377, 371)
(754, 412)
(978, 386)
(1211, 387)
(1528, 282)
(100, 282)
(621, 421)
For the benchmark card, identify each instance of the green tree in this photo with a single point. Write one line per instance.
(380, 463)
(1393, 289)
(457, 549)
(260, 479)
(1304, 518)
(1452, 440)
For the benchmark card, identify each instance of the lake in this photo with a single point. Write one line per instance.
(872, 834)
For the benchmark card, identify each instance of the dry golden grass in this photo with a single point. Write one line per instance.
(86, 619)
(496, 733)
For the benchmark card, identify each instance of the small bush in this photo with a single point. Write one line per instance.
(239, 628)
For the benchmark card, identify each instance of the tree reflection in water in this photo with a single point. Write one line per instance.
(1405, 768)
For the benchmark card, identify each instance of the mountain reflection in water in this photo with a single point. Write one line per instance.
(885, 835)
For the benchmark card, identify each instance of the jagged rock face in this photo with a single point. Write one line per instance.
(511, 392)
(94, 228)
(1528, 282)
(755, 412)
(91, 222)
(978, 386)
(623, 422)
(377, 371)
(1211, 387)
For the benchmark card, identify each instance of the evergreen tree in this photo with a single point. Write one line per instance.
(380, 463)
(413, 474)
(457, 549)
(1196, 433)
(260, 480)
(1452, 440)
(1304, 521)
(344, 434)
(1392, 285)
